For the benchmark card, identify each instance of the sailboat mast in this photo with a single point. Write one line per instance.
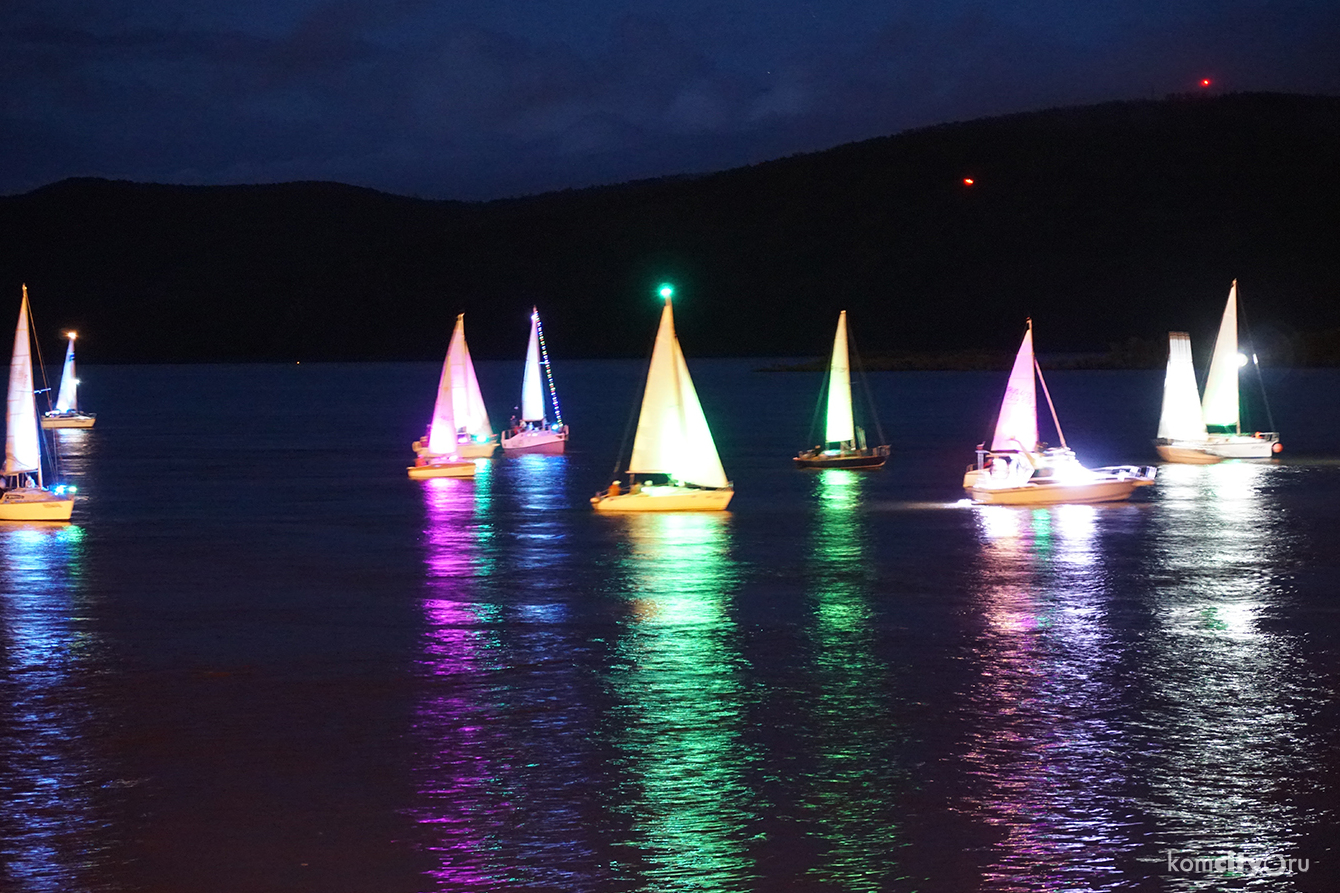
(1050, 405)
(548, 370)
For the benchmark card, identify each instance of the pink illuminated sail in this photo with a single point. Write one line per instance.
(1017, 425)
(442, 429)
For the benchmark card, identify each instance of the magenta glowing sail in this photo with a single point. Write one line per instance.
(1017, 425)
(442, 429)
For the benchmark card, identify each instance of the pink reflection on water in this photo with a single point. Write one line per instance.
(451, 723)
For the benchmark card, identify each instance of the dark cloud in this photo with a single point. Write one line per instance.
(479, 100)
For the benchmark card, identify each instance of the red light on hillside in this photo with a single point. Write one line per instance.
(1205, 82)
(968, 181)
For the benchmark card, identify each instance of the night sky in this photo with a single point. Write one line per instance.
(477, 100)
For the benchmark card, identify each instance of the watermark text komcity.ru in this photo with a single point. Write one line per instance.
(1236, 865)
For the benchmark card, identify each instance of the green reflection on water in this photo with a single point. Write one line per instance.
(677, 678)
(847, 794)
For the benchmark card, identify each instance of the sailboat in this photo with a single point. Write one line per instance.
(673, 446)
(1017, 470)
(66, 413)
(533, 433)
(844, 443)
(436, 455)
(1219, 433)
(474, 434)
(1182, 434)
(25, 497)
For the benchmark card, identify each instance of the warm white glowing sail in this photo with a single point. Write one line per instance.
(23, 449)
(672, 434)
(840, 427)
(1017, 424)
(1180, 418)
(467, 404)
(532, 390)
(1220, 405)
(67, 399)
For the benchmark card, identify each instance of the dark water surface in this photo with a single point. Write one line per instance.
(262, 659)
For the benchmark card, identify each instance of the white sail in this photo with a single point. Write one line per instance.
(442, 429)
(66, 399)
(840, 427)
(532, 391)
(1017, 424)
(467, 404)
(672, 434)
(1220, 405)
(1180, 418)
(23, 449)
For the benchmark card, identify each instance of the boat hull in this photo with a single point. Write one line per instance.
(475, 449)
(68, 420)
(546, 442)
(1058, 494)
(854, 459)
(664, 499)
(1186, 454)
(1244, 446)
(465, 449)
(441, 469)
(32, 504)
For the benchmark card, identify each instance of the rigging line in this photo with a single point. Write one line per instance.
(1050, 405)
(1260, 381)
(865, 384)
(819, 404)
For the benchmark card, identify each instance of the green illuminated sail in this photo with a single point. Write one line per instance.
(840, 427)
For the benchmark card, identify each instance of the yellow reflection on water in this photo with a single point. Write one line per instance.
(1049, 763)
(49, 779)
(677, 678)
(846, 795)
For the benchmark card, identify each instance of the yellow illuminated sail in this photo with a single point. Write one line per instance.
(672, 434)
(23, 450)
(467, 404)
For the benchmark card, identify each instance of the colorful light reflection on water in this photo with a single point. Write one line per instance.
(857, 766)
(1231, 696)
(48, 814)
(1048, 754)
(457, 724)
(678, 683)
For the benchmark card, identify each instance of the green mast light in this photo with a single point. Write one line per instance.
(666, 290)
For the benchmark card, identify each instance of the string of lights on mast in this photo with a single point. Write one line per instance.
(548, 372)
